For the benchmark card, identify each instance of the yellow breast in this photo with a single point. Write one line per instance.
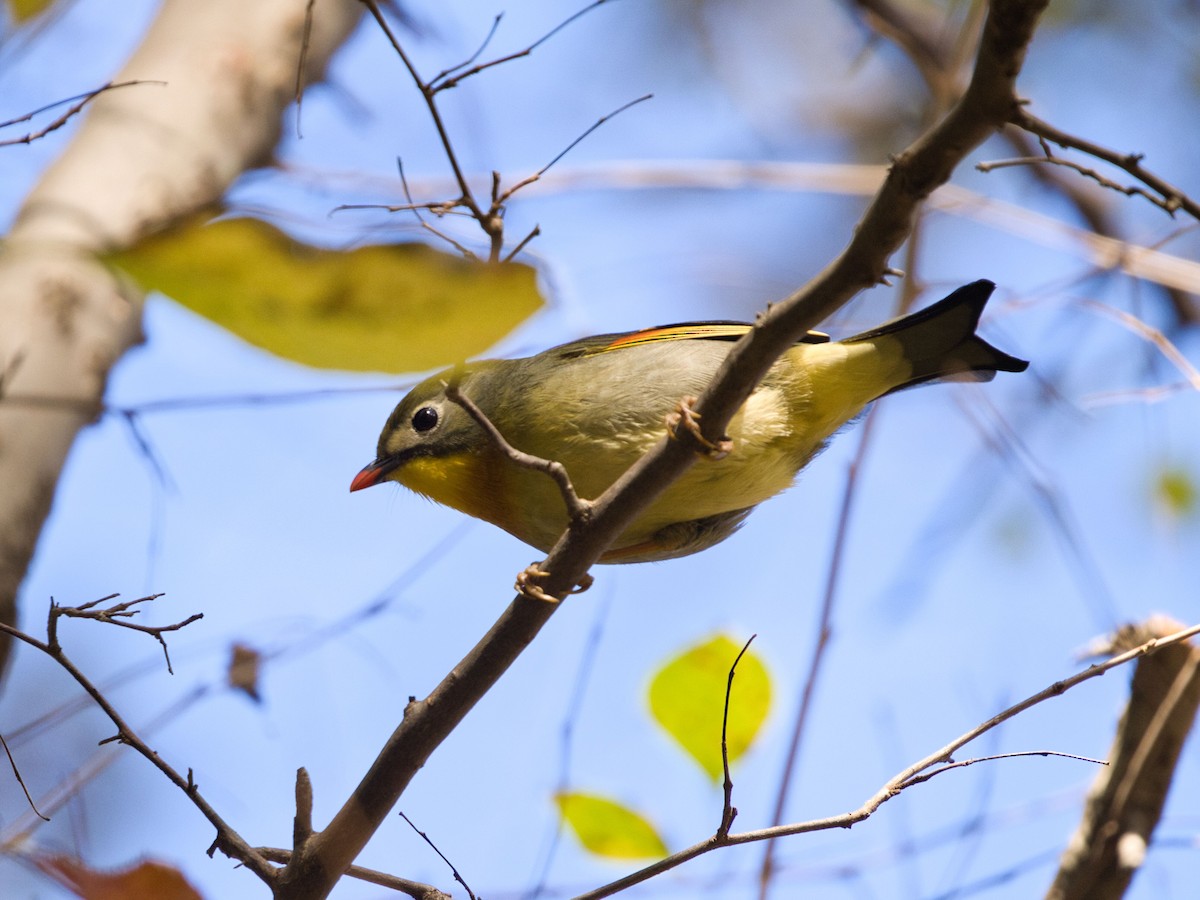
(471, 482)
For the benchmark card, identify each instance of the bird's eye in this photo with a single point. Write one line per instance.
(424, 418)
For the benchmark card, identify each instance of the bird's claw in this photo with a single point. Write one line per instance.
(687, 417)
(527, 584)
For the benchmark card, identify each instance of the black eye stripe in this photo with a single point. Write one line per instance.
(424, 418)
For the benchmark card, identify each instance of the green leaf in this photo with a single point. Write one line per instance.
(24, 10)
(383, 308)
(1176, 492)
(607, 828)
(687, 698)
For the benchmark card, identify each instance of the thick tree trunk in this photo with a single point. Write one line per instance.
(143, 157)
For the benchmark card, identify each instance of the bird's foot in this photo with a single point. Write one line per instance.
(687, 417)
(527, 584)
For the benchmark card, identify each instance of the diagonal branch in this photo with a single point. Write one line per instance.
(986, 105)
(1172, 197)
(935, 763)
(77, 105)
(228, 841)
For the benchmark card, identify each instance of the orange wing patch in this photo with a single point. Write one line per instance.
(690, 331)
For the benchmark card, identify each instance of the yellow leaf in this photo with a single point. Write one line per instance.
(1176, 492)
(607, 828)
(382, 308)
(687, 698)
(24, 10)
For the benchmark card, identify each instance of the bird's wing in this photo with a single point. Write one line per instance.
(683, 331)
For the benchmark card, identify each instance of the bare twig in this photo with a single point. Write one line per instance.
(728, 810)
(466, 198)
(824, 633)
(77, 107)
(21, 781)
(897, 783)
(578, 508)
(302, 826)
(1129, 190)
(227, 840)
(1012, 448)
(1171, 197)
(962, 764)
(447, 79)
(537, 229)
(1092, 208)
(502, 198)
(414, 889)
(1150, 334)
(446, 73)
(583, 675)
(17, 832)
(491, 219)
(453, 870)
(302, 63)
(118, 614)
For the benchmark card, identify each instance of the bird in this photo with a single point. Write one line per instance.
(597, 404)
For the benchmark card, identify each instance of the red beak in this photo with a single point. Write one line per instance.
(372, 474)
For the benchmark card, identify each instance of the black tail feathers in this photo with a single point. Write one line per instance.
(940, 340)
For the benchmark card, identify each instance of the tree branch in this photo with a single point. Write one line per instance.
(228, 841)
(1172, 197)
(988, 103)
(140, 160)
(1126, 801)
(916, 773)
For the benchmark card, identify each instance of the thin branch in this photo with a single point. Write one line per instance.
(301, 63)
(453, 870)
(1092, 208)
(537, 229)
(302, 826)
(1012, 448)
(824, 634)
(583, 676)
(119, 613)
(10, 369)
(728, 811)
(491, 220)
(17, 832)
(1129, 190)
(962, 764)
(466, 198)
(446, 73)
(1153, 394)
(1131, 163)
(1150, 334)
(444, 81)
(898, 782)
(415, 889)
(21, 781)
(228, 841)
(507, 195)
(578, 509)
(76, 108)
